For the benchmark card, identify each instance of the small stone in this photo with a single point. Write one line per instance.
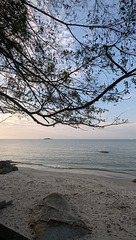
(4, 204)
(134, 180)
(108, 225)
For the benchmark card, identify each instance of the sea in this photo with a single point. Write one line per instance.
(105, 157)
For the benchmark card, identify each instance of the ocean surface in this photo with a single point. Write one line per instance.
(102, 157)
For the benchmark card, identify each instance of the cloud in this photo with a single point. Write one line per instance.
(14, 120)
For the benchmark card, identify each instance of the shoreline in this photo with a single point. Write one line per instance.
(80, 171)
(105, 204)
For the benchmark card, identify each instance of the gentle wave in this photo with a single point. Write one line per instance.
(40, 164)
(51, 166)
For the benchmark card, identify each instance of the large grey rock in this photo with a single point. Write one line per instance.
(53, 219)
(6, 167)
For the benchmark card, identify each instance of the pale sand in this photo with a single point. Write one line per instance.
(106, 205)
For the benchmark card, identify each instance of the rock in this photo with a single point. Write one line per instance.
(53, 219)
(6, 167)
(134, 180)
(4, 204)
(8, 234)
(104, 152)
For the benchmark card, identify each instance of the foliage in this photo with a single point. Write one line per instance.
(58, 59)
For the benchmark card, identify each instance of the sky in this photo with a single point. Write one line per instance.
(24, 128)
(15, 127)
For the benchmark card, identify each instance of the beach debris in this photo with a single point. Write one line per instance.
(53, 219)
(4, 204)
(8, 234)
(7, 166)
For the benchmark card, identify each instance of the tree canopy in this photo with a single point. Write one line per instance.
(59, 58)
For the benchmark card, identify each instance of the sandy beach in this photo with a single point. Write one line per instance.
(106, 205)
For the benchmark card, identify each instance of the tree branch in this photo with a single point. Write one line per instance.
(69, 24)
(127, 75)
(111, 59)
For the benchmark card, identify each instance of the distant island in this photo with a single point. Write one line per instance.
(47, 138)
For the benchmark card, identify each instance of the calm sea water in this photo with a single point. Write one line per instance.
(103, 156)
